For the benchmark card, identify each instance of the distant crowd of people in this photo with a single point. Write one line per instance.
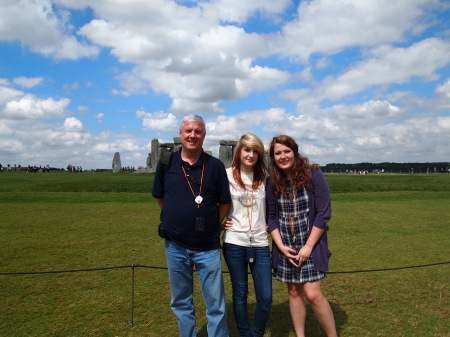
(35, 168)
(378, 171)
(73, 168)
(128, 169)
(20, 168)
(436, 170)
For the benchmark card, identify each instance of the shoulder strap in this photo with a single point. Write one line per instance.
(165, 163)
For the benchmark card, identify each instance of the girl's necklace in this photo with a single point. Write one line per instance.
(247, 202)
(292, 199)
(250, 217)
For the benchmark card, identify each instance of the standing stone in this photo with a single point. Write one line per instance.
(176, 143)
(149, 166)
(226, 155)
(166, 148)
(226, 151)
(116, 164)
(153, 157)
(267, 160)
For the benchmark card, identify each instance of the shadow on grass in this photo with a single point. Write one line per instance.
(280, 324)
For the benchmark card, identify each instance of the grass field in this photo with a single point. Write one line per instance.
(68, 222)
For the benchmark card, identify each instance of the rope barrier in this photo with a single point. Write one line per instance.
(385, 269)
(134, 266)
(64, 271)
(165, 268)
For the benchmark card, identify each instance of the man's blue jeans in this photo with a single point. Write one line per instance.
(180, 262)
(236, 259)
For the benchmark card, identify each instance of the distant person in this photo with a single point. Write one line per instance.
(298, 210)
(245, 237)
(194, 197)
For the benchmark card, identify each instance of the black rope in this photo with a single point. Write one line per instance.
(64, 271)
(165, 268)
(134, 266)
(385, 269)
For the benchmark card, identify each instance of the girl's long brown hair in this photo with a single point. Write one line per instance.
(302, 176)
(259, 169)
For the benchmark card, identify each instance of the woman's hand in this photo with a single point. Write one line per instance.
(303, 254)
(291, 255)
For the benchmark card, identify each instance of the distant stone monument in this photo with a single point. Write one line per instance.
(153, 156)
(158, 150)
(226, 151)
(116, 164)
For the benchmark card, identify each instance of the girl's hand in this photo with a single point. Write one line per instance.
(303, 254)
(291, 255)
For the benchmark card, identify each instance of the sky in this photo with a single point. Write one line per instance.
(350, 80)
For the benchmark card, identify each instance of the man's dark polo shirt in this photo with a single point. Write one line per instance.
(179, 207)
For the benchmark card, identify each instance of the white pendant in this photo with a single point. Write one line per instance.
(198, 199)
(250, 235)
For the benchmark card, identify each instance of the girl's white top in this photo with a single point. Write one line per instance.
(246, 205)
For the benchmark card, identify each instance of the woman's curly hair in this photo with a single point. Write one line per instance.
(302, 169)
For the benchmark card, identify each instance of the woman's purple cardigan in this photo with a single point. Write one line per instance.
(319, 215)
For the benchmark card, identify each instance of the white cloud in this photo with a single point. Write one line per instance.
(442, 96)
(333, 61)
(330, 26)
(28, 82)
(12, 146)
(73, 124)
(116, 92)
(99, 117)
(36, 25)
(124, 145)
(204, 63)
(158, 121)
(8, 94)
(73, 86)
(240, 10)
(4, 82)
(384, 66)
(31, 107)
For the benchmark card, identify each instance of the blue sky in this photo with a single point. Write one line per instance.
(352, 81)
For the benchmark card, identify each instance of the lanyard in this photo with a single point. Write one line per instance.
(292, 199)
(250, 220)
(198, 199)
(249, 211)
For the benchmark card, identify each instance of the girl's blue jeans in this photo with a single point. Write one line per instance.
(237, 262)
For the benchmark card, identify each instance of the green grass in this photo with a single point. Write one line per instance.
(62, 221)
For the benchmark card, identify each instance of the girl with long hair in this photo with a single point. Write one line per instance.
(298, 211)
(245, 238)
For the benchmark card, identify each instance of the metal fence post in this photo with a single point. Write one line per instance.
(132, 295)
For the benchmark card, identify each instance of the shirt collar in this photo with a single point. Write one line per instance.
(201, 160)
